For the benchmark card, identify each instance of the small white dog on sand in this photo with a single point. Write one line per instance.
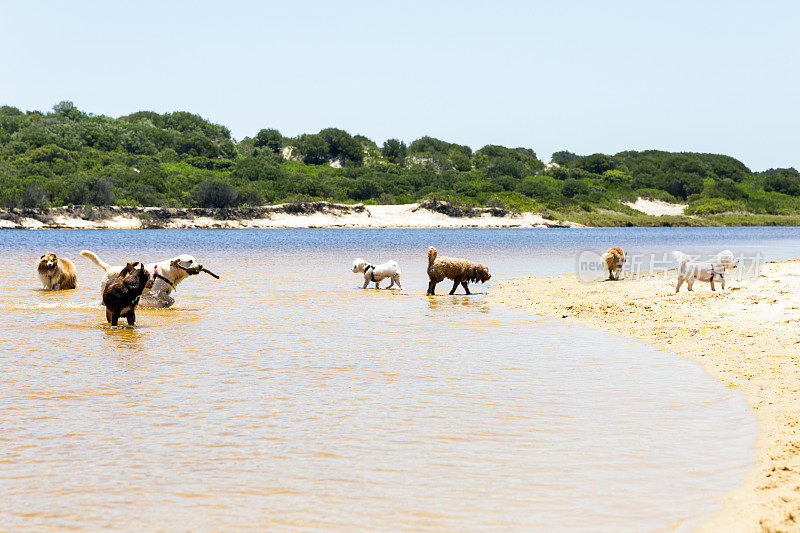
(710, 271)
(377, 273)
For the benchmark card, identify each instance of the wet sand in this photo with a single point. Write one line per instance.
(746, 336)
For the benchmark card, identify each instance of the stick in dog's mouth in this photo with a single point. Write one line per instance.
(202, 269)
(196, 271)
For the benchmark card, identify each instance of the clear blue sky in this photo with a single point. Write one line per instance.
(720, 77)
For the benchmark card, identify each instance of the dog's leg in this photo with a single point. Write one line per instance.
(366, 282)
(114, 318)
(397, 280)
(131, 316)
(164, 299)
(722, 281)
(391, 283)
(431, 288)
(377, 285)
(109, 316)
(466, 287)
(689, 283)
(678, 286)
(455, 286)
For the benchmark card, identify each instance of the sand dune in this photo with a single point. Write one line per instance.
(747, 336)
(657, 207)
(309, 215)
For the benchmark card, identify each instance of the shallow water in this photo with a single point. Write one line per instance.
(283, 396)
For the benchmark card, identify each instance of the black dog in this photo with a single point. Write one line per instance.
(121, 295)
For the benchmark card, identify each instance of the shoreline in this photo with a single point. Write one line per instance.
(431, 214)
(742, 336)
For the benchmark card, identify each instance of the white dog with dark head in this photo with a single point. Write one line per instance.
(377, 273)
(166, 275)
(714, 270)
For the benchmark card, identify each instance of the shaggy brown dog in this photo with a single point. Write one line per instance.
(121, 294)
(459, 270)
(57, 274)
(614, 258)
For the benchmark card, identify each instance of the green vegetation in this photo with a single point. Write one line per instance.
(70, 157)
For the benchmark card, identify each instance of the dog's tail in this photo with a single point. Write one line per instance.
(681, 258)
(431, 255)
(91, 256)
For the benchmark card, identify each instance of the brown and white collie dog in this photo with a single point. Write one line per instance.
(56, 274)
(614, 259)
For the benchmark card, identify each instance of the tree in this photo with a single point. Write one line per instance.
(196, 144)
(268, 138)
(314, 148)
(573, 187)
(596, 163)
(136, 142)
(563, 157)
(726, 188)
(543, 187)
(341, 145)
(216, 194)
(34, 197)
(431, 145)
(67, 110)
(505, 166)
(395, 151)
(461, 162)
(680, 184)
(256, 169)
(782, 180)
(499, 160)
(100, 192)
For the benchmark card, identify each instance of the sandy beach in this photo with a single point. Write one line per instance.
(300, 215)
(746, 336)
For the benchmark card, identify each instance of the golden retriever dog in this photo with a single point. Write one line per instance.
(614, 259)
(166, 275)
(121, 294)
(459, 270)
(57, 274)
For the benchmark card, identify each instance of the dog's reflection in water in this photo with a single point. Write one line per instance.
(475, 302)
(127, 337)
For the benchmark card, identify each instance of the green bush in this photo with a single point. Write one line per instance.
(712, 206)
(573, 187)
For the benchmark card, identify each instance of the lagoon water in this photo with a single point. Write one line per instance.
(283, 396)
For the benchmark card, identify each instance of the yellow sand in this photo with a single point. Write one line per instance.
(747, 336)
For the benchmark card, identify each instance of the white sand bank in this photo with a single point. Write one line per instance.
(311, 215)
(657, 207)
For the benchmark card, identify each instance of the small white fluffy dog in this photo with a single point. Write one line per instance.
(377, 273)
(710, 271)
(166, 276)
